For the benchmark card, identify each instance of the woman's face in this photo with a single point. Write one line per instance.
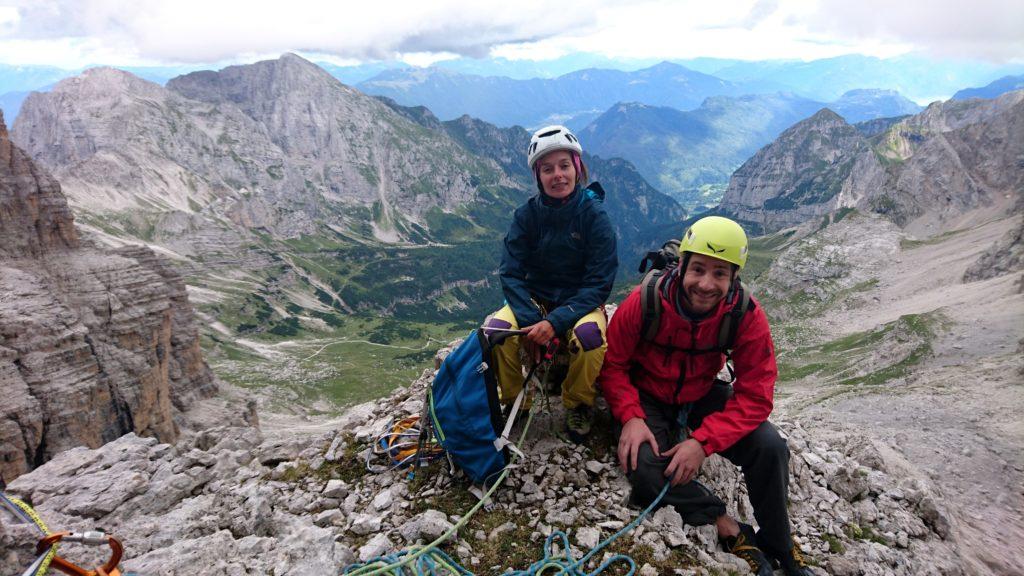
(557, 173)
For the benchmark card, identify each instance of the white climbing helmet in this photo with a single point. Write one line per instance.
(549, 139)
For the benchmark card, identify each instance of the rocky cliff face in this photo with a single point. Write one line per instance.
(805, 172)
(951, 165)
(34, 217)
(93, 344)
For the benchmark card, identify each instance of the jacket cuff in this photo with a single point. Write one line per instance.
(631, 412)
(700, 435)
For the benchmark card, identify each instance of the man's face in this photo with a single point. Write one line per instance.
(705, 282)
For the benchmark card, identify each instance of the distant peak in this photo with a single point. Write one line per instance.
(825, 115)
(292, 59)
(629, 106)
(106, 79)
(858, 92)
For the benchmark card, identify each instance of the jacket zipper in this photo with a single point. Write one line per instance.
(686, 361)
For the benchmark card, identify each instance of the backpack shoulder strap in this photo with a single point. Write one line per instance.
(730, 325)
(650, 303)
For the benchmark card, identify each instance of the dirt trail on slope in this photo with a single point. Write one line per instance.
(957, 416)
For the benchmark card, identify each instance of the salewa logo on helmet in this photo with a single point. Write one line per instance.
(715, 250)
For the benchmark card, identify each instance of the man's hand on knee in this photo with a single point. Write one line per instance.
(687, 456)
(634, 433)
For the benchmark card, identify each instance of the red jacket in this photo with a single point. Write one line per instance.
(665, 371)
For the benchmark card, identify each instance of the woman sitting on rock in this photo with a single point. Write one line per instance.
(557, 269)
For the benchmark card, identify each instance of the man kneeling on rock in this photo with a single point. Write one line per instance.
(662, 387)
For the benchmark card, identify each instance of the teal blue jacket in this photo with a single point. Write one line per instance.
(563, 256)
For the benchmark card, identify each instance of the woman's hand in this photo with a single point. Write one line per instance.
(540, 333)
(537, 337)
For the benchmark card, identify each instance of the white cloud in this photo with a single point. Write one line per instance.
(123, 32)
(991, 29)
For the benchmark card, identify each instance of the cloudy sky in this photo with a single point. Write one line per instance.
(70, 34)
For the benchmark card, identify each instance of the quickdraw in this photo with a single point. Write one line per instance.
(90, 538)
(46, 549)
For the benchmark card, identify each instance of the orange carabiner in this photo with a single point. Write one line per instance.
(92, 538)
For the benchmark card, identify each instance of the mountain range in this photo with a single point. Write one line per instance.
(325, 199)
(690, 155)
(954, 164)
(531, 103)
(921, 78)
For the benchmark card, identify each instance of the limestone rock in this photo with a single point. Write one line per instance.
(427, 525)
(93, 344)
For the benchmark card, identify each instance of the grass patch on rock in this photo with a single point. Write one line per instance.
(871, 357)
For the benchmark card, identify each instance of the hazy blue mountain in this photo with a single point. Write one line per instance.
(868, 104)
(526, 69)
(917, 77)
(355, 74)
(505, 101)
(992, 90)
(28, 78)
(10, 103)
(582, 120)
(708, 65)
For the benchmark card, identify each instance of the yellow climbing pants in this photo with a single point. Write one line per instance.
(586, 346)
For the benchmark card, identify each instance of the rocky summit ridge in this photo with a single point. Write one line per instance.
(94, 343)
(238, 500)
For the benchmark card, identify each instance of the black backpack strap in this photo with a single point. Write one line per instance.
(730, 325)
(650, 303)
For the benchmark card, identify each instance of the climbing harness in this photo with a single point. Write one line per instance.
(46, 549)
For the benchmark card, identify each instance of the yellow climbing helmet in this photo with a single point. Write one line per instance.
(717, 237)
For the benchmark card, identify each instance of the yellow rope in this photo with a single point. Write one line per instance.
(42, 526)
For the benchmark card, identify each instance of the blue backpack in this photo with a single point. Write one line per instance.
(463, 407)
(464, 411)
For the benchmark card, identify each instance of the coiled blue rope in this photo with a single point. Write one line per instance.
(434, 562)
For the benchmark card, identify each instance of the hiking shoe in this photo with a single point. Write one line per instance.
(578, 421)
(744, 545)
(792, 562)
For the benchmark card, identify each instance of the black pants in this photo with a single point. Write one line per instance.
(763, 455)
